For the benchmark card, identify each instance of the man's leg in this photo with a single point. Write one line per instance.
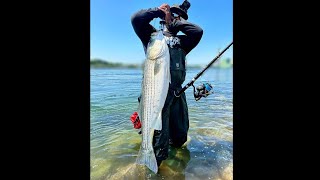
(179, 121)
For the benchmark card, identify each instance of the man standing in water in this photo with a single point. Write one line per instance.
(175, 118)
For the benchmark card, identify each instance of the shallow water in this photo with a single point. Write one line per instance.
(208, 153)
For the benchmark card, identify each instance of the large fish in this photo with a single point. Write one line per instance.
(155, 84)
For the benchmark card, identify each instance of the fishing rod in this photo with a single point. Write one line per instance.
(203, 90)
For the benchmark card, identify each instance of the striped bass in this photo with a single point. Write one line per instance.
(154, 89)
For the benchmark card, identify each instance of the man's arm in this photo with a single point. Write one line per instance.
(140, 22)
(192, 37)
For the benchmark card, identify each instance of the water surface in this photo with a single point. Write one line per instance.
(114, 143)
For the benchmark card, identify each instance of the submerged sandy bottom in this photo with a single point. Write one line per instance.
(203, 157)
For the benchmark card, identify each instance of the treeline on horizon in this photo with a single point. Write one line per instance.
(99, 63)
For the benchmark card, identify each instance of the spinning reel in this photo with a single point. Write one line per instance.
(203, 90)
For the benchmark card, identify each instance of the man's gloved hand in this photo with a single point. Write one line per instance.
(165, 8)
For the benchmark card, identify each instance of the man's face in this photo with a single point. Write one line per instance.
(175, 16)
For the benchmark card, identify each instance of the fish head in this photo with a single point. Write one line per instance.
(156, 46)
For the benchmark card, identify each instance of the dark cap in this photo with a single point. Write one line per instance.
(182, 9)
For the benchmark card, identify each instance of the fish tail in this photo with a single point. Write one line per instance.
(147, 158)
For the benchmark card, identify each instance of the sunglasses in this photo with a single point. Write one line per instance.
(174, 15)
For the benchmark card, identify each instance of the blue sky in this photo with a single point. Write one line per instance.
(112, 37)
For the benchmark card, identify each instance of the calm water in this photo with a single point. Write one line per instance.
(208, 154)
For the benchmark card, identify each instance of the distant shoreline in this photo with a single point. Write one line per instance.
(98, 63)
(102, 64)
